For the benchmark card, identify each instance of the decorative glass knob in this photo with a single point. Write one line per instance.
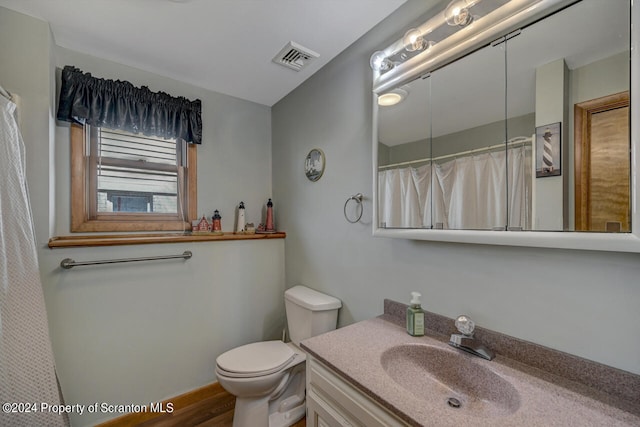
(465, 325)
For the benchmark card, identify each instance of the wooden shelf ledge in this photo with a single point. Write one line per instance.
(145, 239)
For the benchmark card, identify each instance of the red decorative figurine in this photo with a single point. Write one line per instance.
(269, 226)
(217, 224)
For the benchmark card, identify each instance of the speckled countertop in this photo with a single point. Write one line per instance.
(522, 395)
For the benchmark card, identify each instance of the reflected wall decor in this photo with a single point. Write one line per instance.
(548, 151)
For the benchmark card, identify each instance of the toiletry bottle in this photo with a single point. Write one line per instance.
(415, 316)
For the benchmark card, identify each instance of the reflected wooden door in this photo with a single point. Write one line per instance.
(602, 164)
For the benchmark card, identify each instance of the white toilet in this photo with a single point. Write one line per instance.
(268, 377)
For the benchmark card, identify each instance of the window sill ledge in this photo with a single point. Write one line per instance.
(143, 239)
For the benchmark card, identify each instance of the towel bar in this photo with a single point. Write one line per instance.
(68, 263)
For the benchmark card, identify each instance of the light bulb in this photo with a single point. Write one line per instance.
(457, 12)
(380, 62)
(413, 40)
(388, 99)
(392, 97)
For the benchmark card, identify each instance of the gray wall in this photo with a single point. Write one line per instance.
(583, 303)
(143, 332)
(25, 53)
(468, 139)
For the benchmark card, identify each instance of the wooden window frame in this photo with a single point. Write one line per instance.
(84, 217)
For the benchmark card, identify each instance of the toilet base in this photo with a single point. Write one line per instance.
(288, 418)
(283, 408)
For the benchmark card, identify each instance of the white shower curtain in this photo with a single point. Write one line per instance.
(475, 192)
(429, 196)
(399, 205)
(27, 373)
(465, 193)
(519, 172)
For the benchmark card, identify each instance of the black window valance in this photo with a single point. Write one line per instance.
(120, 105)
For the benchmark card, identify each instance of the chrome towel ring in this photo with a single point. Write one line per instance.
(358, 198)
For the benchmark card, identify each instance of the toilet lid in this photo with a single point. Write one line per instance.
(258, 358)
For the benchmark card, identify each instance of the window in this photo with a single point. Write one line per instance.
(122, 181)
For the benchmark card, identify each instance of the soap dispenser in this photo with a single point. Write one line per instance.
(415, 316)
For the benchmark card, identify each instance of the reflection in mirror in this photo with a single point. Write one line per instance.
(566, 74)
(404, 153)
(468, 142)
(548, 79)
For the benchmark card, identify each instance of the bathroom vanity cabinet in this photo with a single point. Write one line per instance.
(332, 401)
(372, 373)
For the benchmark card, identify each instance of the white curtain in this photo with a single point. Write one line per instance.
(429, 196)
(465, 193)
(26, 361)
(399, 203)
(474, 189)
(519, 172)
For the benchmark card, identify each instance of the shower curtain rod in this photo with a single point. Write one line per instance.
(511, 142)
(68, 263)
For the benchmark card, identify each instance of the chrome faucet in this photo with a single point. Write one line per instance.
(465, 341)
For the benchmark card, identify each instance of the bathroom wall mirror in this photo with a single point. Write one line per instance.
(460, 157)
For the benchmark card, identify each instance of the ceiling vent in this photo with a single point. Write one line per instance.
(295, 56)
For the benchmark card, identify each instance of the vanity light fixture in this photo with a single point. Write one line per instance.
(392, 97)
(456, 13)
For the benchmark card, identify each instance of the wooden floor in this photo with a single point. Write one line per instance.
(214, 411)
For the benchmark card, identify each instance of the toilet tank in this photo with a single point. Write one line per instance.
(309, 312)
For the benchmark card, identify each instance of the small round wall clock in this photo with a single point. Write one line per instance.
(314, 164)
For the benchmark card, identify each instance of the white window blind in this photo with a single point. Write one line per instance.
(136, 173)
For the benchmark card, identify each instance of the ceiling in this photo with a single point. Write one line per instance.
(221, 45)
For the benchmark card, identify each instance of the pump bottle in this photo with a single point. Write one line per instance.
(415, 316)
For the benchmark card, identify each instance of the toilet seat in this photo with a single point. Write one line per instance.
(255, 359)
